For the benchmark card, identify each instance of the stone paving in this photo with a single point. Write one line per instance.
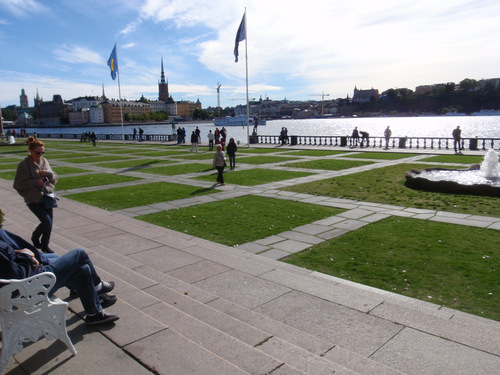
(190, 306)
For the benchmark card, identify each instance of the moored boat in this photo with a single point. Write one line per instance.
(240, 120)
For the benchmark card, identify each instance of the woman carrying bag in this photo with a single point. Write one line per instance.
(219, 163)
(35, 182)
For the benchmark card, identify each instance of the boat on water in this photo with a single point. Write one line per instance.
(240, 120)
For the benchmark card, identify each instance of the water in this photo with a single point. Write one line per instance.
(439, 126)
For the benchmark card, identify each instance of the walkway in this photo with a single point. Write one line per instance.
(190, 306)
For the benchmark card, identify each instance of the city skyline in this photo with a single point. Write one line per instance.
(294, 52)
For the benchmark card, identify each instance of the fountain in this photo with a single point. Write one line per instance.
(478, 179)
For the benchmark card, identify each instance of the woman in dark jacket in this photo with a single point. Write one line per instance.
(231, 149)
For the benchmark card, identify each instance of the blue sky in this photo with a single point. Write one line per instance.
(296, 50)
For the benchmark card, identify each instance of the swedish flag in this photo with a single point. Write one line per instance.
(113, 63)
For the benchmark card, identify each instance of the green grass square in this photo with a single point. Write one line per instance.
(138, 195)
(328, 164)
(132, 163)
(91, 179)
(252, 177)
(177, 169)
(416, 258)
(381, 155)
(240, 220)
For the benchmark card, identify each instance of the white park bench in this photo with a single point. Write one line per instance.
(27, 314)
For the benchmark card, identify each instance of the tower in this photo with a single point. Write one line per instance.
(162, 85)
(23, 99)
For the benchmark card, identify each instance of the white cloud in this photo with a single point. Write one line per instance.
(23, 8)
(78, 55)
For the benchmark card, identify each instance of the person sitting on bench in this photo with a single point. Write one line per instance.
(19, 260)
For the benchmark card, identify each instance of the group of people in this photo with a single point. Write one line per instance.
(219, 161)
(141, 134)
(284, 135)
(361, 137)
(20, 259)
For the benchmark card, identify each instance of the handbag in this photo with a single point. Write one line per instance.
(49, 200)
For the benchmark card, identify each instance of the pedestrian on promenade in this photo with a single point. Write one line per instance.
(219, 163)
(387, 135)
(354, 137)
(194, 141)
(93, 138)
(34, 178)
(134, 134)
(210, 140)
(365, 137)
(198, 134)
(141, 133)
(74, 270)
(457, 138)
(231, 152)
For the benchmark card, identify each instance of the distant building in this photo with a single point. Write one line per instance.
(364, 96)
(25, 119)
(163, 85)
(23, 98)
(186, 108)
(112, 113)
(51, 113)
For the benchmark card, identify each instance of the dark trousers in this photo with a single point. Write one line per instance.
(220, 175)
(232, 161)
(44, 229)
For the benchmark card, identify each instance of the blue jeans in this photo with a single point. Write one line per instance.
(76, 271)
(44, 229)
(232, 160)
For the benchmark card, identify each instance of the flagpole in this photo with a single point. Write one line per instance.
(120, 96)
(246, 64)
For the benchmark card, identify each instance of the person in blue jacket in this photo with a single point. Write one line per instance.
(19, 260)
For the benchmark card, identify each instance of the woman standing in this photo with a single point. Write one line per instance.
(231, 152)
(34, 177)
(219, 163)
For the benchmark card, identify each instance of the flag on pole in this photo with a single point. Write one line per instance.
(113, 63)
(241, 35)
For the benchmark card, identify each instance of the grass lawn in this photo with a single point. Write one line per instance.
(457, 159)
(251, 177)
(240, 220)
(387, 185)
(96, 159)
(264, 159)
(259, 150)
(98, 179)
(138, 195)
(68, 170)
(329, 164)
(416, 258)
(5, 166)
(9, 175)
(132, 163)
(314, 152)
(176, 169)
(381, 155)
(9, 160)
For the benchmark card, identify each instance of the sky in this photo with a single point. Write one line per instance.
(295, 50)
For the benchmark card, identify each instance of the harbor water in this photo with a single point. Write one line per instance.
(436, 126)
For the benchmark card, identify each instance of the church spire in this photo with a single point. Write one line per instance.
(162, 85)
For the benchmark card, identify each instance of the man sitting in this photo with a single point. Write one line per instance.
(19, 260)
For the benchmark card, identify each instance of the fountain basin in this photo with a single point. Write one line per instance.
(455, 181)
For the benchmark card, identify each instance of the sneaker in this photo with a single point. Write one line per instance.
(107, 300)
(107, 286)
(100, 318)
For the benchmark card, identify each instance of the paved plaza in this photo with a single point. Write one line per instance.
(191, 306)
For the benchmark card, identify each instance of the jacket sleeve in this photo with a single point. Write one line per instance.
(14, 265)
(23, 182)
(50, 173)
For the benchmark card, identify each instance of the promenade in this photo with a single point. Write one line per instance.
(191, 306)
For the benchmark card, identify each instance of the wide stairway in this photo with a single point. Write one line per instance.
(190, 306)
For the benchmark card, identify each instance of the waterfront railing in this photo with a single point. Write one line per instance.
(433, 143)
(438, 143)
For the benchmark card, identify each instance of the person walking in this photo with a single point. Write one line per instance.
(210, 137)
(194, 141)
(219, 163)
(231, 149)
(34, 178)
(387, 136)
(93, 138)
(141, 133)
(457, 137)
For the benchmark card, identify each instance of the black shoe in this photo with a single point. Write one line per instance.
(100, 318)
(107, 300)
(36, 242)
(107, 286)
(47, 250)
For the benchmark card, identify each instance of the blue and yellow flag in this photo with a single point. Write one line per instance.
(241, 35)
(113, 63)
